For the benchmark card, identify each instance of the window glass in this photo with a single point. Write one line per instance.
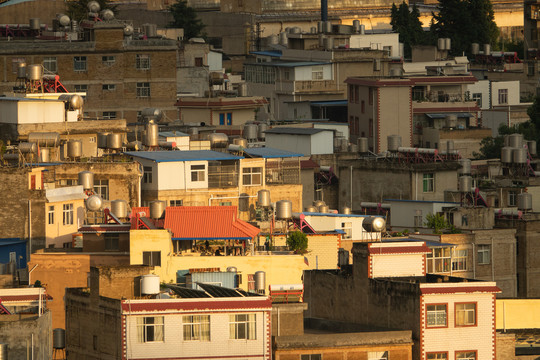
(143, 89)
(50, 214)
(466, 314)
(465, 355)
(150, 329)
(484, 254)
(437, 356)
(436, 315)
(242, 326)
(68, 214)
(377, 355)
(439, 260)
(108, 60)
(147, 176)
(142, 62)
(197, 173)
(50, 64)
(79, 63)
(428, 182)
(252, 176)
(459, 262)
(196, 327)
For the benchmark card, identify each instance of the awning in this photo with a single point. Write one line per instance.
(444, 115)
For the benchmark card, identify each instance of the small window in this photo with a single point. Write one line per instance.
(81, 88)
(142, 62)
(418, 219)
(363, 106)
(225, 119)
(176, 202)
(466, 314)
(108, 60)
(512, 198)
(478, 98)
(347, 228)
(147, 176)
(50, 215)
(111, 242)
(484, 254)
(317, 73)
(436, 315)
(439, 260)
(465, 355)
(437, 356)
(101, 188)
(198, 173)
(377, 355)
(196, 327)
(150, 329)
(356, 94)
(108, 87)
(152, 258)
(143, 89)
(370, 94)
(459, 262)
(198, 61)
(429, 182)
(68, 214)
(252, 176)
(503, 96)
(370, 130)
(242, 326)
(79, 63)
(108, 115)
(50, 64)
(310, 357)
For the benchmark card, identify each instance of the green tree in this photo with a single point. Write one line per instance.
(437, 222)
(297, 241)
(407, 23)
(78, 10)
(465, 22)
(186, 18)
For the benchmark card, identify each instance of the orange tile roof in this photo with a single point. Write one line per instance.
(203, 222)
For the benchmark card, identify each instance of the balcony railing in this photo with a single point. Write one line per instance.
(222, 176)
(282, 172)
(315, 86)
(437, 96)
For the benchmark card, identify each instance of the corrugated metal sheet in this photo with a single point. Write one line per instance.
(224, 279)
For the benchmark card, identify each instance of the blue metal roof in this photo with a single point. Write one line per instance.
(429, 243)
(422, 201)
(13, 2)
(174, 156)
(295, 131)
(444, 115)
(11, 241)
(172, 133)
(276, 53)
(268, 153)
(330, 103)
(336, 215)
(291, 64)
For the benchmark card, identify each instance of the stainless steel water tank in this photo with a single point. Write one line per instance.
(273, 39)
(128, 30)
(475, 48)
(318, 203)
(465, 167)
(263, 198)
(242, 90)
(328, 43)
(465, 183)
(75, 102)
(250, 131)
(321, 40)
(487, 49)
(320, 26)
(134, 145)
(152, 134)
(519, 156)
(324, 209)
(283, 209)
(327, 25)
(449, 146)
(94, 203)
(86, 179)
(506, 139)
(441, 44)
(157, 209)
(447, 43)
(218, 140)
(34, 72)
(240, 142)
(35, 24)
(515, 140)
(394, 142)
(21, 70)
(74, 149)
(310, 209)
(232, 269)
(346, 210)
(353, 148)
(44, 155)
(451, 121)
(363, 145)
(524, 201)
(119, 208)
(102, 140)
(107, 15)
(93, 6)
(374, 224)
(59, 338)
(150, 30)
(27, 147)
(506, 155)
(152, 114)
(260, 281)
(356, 26)
(531, 146)
(114, 141)
(261, 128)
(362, 29)
(63, 19)
(283, 39)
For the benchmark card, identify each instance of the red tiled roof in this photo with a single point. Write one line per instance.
(460, 289)
(423, 249)
(203, 222)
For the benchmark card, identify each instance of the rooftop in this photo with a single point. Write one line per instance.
(268, 153)
(173, 156)
(294, 131)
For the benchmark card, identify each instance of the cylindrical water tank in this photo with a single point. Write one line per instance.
(86, 179)
(506, 139)
(394, 142)
(128, 30)
(475, 48)
(232, 269)
(441, 44)
(465, 183)
(362, 29)
(3, 351)
(374, 224)
(63, 19)
(296, 30)
(328, 43)
(93, 6)
(283, 209)
(320, 27)
(35, 24)
(74, 149)
(283, 39)
(318, 203)
(114, 141)
(353, 148)
(134, 145)
(515, 140)
(327, 27)
(506, 155)
(152, 114)
(346, 210)
(447, 43)
(250, 131)
(310, 209)
(218, 140)
(519, 156)
(157, 209)
(449, 146)
(324, 209)
(11, 156)
(240, 142)
(34, 72)
(321, 40)
(150, 284)
(44, 155)
(260, 280)
(263, 198)
(451, 121)
(261, 128)
(531, 146)
(242, 90)
(27, 147)
(152, 134)
(487, 49)
(102, 140)
(107, 14)
(363, 145)
(356, 26)
(150, 30)
(21, 70)
(524, 201)
(119, 208)
(94, 203)
(59, 338)
(313, 30)
(273, 39)
(465, 167)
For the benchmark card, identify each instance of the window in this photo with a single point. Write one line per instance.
(111, 242)
(198, 61)
(351, 93)
(418, 219)
(436, 315)
(108, 115)
(478, 98)
(484, 254)
(512, 198)
(363, 106)
(370, 94)
(197, 173)
(242, 326)
(356, 94)
(176, 202)
(377, 355)
(503, 96)
(152, 258)
(108, 60)
(252, 176)
(429, 182)
(68, 214)
(79, 63)
(310, 357)
(196, 327)
(143, 89)
(466, 314)
(465, 355)
(50, 64)
(370, 130)
(459, 262)
(81, 88)
(50, 214)
(108, 87)
(150, 329)
(101, 187)
(227, 116)
(142, 62)
(437, 356)
(439, 260)
(317, 73)
(225, 203)
(15, 64)
(347, 227)
(286, 74)
(147, 176)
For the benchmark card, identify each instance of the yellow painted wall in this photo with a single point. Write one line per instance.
(518, 314)
(280, 269)
(322, 251)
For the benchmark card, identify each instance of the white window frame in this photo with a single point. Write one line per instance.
(436, 314)
(377, 355)
(147, 174)
(317, 72)
(484, 254)
(503, 96)
(418, 219)
(108, 60)
(50, 214)
(143, 90)
(478, 98)
(459, 261)
(101, 188)
(250, 176)
(146, 329)
(142, 62)
(196, 327)
(512, 198)
(439, 260)
(80, 63)
(198, 172)
(176, 202)
(465, 314)
(50, 64)
(67, 210)
(243, 327)
(109, 115)
(428, 182)
(347, 228)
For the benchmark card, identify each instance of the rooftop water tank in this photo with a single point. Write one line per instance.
(451, 121)
(152, 114)
(86, 179)
(283, 209)
(447, 43)
(519, 156)
(119, 208)
(318, 203)
(465, 183)
(152, 134)
(93, 6)
(449, 146)
(327, 27)
(531, 146)
(394, 142)
(283, 39)
(240, 142)
(27, 147)
(59, 338)
(63, 19)
(356, 26)
(102, 140)
(150, 30)
(475, 48)
(328, 43)
(150, 284)
(487, 49)
(310, 209)
(346, 210)
(35, 24)
(157, 209)
(218, 140)
(74, 149)
(128, 30)
(324, 209)
(34, 72)
(363, 145)
(263, 198)
(44, 155)
(260, 281)
(21, 70)
(465, 167)
(232, 269)
(114, 141)
(250, 131)
(441, 44)
(374, 224)
(515, 140)
(261, 128)
(506, 155)
(74, 102)
(107, 15)
(94, 203)
(524, 202)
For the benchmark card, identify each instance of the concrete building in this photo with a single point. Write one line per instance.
(301, 140)
(412, 214)
(449, 317)
(65, 210)
(196, 62)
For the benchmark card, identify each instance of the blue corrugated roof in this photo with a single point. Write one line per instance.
(422, 201)
(336, 215)
(292, 64)
(11, 241)
(268, 153)
(192, 155)
(444, 115)
(172, 133)
(330, 103)
(276, 53)
(295, 131)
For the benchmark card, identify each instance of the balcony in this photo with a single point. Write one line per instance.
(315, 86)
(222, 176)
(437, 96)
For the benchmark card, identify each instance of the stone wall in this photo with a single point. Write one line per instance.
(28, 336)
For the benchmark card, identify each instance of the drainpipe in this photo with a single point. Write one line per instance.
(351, 186)
(492, 262)
(29, 229)
(474, 261)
